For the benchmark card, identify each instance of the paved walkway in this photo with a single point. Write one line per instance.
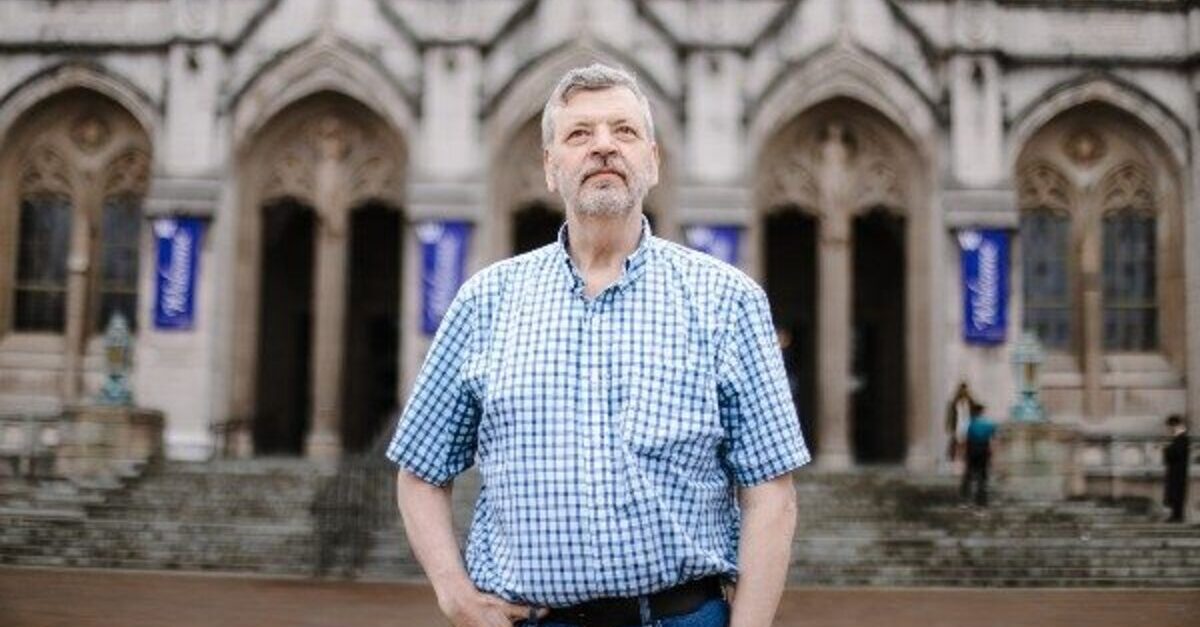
(97, 598)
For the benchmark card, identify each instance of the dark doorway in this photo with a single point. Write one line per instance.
(535, 226)
(284, 321)
(791, 249)
(877, 345)
(372, 326)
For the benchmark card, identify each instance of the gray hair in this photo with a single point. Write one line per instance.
(593, 77)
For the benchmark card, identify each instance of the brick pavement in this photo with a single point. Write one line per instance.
(99, 598)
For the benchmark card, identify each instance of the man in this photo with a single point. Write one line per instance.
(625, 400)
(979, 456)
(1175, 458)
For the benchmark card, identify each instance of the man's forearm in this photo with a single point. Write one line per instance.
(764, 551)
(428, 523)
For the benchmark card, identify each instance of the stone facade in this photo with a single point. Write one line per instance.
(933, 115)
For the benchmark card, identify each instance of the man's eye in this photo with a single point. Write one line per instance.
(627, 131)
(576, 134)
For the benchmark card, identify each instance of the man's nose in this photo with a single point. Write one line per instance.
(602, 142)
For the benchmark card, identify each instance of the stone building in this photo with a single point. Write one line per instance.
(851, 141)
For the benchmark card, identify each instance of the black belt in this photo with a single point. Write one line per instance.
(623, 612)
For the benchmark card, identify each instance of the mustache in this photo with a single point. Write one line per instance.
(610, 167)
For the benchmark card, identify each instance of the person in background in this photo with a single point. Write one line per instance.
(1175, 458)
(958, 415)
(978, 439)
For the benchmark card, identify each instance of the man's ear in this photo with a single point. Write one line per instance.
(548, 168)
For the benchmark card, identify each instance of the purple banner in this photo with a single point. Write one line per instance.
(984, 254)
(720, 241)
(443, 265)
(178, 242)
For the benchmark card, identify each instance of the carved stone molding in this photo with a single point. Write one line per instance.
(787, 183)
(1041, 186)
(90, 133)
(128, 173)
(832, 161)
(1084, 147)
(46, 172)
(1127, 186)
(369, 167)
(879, 186)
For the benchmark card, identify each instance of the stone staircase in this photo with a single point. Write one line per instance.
(887, 528)
(251, 516)
(292, 517)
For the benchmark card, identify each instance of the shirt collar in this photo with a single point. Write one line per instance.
(634, 265)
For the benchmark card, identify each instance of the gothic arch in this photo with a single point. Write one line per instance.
(332, 154)
(846, 72)
(1103, 89)
(839, 155)
(322, 64)
(56, 79)
(841, 159)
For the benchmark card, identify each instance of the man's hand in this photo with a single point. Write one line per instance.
(472, 608)
(429, 524)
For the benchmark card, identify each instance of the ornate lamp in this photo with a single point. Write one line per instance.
(118, 353)
(1027, 360)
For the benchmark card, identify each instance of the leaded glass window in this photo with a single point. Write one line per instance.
(40, 294)
(117, 287)
(1045, 276)
(1130, 293)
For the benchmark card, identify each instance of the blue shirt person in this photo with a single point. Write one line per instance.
(979, 436)
(624, 398)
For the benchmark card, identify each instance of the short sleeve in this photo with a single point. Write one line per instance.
(757, 412)
(436, 435)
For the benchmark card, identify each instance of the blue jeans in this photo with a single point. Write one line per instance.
(714, 613)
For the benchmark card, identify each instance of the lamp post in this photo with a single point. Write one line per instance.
(1027, 362)
(118, 351)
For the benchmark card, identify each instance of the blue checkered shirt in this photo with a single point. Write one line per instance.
(610, 432)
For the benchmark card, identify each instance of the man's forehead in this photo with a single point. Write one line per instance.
(609, 102)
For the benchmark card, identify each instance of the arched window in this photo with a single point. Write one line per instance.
(1045, 276)
(1130, 291)
(43, 245)
(120, 228)
(80, 166)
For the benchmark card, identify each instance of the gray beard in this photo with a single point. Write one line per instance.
(610, 201)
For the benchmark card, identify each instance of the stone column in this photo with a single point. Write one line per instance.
(328, 329)
(833, 341)
(79, 263)
(1092, 306)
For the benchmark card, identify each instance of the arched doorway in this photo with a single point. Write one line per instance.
(842, 273)
(324, 175)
